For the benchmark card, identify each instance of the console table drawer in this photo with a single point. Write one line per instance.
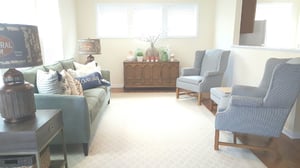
(47, 131)
(31, 134)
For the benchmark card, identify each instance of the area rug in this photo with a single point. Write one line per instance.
(156, 130)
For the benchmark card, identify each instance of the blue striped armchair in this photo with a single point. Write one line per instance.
(207, 72)
(261, 110)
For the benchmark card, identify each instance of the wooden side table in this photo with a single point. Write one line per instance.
(30, 137)
(220, 95)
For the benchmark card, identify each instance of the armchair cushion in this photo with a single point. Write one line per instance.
(210, 61)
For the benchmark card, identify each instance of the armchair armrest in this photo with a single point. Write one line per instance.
(246, 101)
(250, 91)
(190, 71)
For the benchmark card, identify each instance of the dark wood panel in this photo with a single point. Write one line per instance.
(150, 74)
(248, 16)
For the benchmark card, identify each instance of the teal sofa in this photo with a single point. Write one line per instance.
(81, 114)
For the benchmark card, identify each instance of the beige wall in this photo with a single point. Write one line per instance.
(219, 22)
(114, 51)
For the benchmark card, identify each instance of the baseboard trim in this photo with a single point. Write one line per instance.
(117, 86)
(291, 134)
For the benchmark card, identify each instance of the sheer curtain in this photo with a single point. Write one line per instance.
(43, 13)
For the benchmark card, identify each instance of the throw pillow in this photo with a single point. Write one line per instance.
(77, 73)
(105, 82)
(90, 81)
(49, 82)
(66, 85)
(75, 86)
(87, 68)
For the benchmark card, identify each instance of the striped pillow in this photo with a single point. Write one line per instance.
(49, 82)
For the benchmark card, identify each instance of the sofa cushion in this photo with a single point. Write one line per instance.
(30, 75)
(191, 79)
(95, 98)
(67, 64)
(55, 67)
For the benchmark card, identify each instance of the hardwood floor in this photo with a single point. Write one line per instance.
(288, 149)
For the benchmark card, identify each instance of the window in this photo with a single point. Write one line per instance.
(281, 23)
(140, 20)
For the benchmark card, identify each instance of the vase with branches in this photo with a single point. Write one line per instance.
(152, 53)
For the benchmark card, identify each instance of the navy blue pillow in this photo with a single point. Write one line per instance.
(105, 82)
(90, 81)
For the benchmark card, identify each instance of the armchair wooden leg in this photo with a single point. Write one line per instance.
(234, 138)
(177, 93)
(217, 134)
(199, 98)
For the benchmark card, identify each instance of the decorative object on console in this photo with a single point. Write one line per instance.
(152, 53)
(164, 56)
(139, 55)
(89, 46)
(19, 47)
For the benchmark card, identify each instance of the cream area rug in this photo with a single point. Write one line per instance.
(156, 130)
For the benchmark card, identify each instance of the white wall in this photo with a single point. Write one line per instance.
(246, 64)
(114, 51)
(225, 23)
(69, 30)
(247, 69)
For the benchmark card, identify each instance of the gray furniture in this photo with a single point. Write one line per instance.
(31, 137)
(80, 113)
(207, 72)
(261, 110)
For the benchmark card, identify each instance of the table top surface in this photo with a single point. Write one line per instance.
(226, 90)
(41, 117)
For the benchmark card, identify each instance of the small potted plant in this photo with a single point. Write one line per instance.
(139, 55)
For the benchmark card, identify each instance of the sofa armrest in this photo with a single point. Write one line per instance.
(76, 117)
(106, 74)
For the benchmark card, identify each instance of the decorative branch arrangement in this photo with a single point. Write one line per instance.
(152, 39)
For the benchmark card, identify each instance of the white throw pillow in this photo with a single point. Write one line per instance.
(85, 69)
(49, 82)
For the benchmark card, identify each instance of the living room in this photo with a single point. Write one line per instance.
(218, 26)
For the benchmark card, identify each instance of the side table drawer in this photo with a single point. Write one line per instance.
(51, 128)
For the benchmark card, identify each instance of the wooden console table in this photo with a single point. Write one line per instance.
(32, 136)
(150, 74)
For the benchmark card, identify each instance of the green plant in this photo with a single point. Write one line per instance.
(139, 53)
